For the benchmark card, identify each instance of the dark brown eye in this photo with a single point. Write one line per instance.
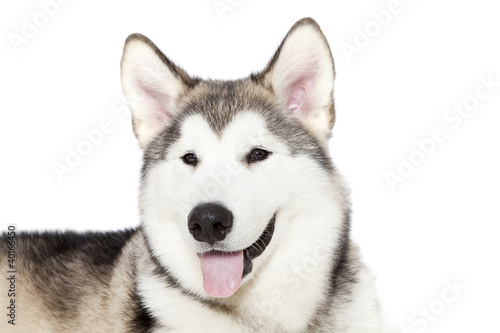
(257, 155)
(190, 159)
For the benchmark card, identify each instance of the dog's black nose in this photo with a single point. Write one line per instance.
(210, 222)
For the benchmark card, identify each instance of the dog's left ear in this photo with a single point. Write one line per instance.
(301, 74)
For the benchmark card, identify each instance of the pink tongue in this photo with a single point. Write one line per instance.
(222, 272)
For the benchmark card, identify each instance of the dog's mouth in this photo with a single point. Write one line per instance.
(223, 271)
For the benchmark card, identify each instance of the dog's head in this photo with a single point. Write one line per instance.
(229, 165)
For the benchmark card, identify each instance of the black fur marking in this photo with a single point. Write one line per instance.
(343, 275)
(142, 321)
(258, 247)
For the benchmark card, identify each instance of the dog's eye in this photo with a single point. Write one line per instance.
(190, 159)
(257, 155)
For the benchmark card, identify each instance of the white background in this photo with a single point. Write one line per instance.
(439, 225)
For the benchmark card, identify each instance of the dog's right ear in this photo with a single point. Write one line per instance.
(152, 85)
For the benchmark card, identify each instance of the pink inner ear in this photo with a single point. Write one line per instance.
(299, 95)
(156, 104)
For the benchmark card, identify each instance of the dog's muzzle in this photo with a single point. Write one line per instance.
(223, 271)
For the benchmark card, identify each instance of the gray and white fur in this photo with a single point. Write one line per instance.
(235, 174)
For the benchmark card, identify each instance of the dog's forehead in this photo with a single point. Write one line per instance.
(246, 128)
(219, 101)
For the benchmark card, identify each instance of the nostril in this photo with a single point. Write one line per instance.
(195, 228)
(219, 228)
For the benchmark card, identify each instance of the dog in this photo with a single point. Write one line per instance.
(245, 220)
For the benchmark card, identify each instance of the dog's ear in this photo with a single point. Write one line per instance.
(152, 85)
(301, 74)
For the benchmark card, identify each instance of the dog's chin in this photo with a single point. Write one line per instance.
(224, 269)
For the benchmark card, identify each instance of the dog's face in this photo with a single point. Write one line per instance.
(225, 162)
